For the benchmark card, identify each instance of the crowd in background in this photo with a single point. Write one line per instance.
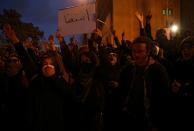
(145, 84)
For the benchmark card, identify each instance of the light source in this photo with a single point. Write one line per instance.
(174, 28)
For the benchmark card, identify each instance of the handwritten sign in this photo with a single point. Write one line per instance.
(77, 20)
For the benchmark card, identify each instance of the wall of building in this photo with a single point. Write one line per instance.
(104, 15)
(161, 20)
(187, 15)
(124, 20)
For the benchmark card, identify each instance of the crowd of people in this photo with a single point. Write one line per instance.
(141, 85)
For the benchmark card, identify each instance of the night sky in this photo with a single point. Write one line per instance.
(41, 13)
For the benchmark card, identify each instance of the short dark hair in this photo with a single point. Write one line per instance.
(143, 39)
(188, 41)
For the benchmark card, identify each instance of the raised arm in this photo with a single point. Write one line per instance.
(148, 26)
(26, 60)
(140, 19)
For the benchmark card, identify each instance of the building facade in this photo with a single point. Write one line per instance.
(187, 15)
(119, 15)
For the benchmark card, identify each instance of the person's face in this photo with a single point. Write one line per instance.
(112, 58)
(27, 43)
(140, 54)
(48, 69)
(7, 30)
(187, 52)
(128, 59)
(85, 59)
(51, 39)
(46, 46)
(13, 66)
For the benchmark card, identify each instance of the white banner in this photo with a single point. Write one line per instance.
(77, 20)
